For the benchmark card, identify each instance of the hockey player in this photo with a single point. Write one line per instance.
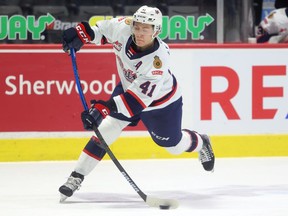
(274, 27)
(148, 91)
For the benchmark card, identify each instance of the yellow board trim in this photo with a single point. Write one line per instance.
(43, 149)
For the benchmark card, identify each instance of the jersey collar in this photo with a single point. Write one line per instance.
(133, 53)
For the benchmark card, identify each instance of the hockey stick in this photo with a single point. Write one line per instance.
(150, 201)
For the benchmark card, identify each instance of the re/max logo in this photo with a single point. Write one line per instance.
(260, 92)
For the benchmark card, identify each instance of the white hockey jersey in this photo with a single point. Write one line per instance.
(145, 76)
(275, 25)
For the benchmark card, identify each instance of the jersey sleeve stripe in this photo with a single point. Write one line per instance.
(167, 96)
(126, 105)
(132, 102)
(136, 98)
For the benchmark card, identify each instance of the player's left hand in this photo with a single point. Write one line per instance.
(98, 111)
(76, 37)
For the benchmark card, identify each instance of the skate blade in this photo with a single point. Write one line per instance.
(62, 198)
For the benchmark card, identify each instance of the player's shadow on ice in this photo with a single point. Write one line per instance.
(200, 198)
(111, 200)
(116, 200)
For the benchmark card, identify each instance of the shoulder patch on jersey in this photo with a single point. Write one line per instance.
(270, 16)
(157, 63)
(128, 20)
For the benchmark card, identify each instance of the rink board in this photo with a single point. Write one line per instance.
(41, 149)
(238, 97)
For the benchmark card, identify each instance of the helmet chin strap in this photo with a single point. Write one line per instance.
(133, 39)
(155, 34)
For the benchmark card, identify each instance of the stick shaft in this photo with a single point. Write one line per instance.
(102, 141)
(77, 78)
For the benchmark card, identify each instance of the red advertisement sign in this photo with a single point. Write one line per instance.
(38, 90)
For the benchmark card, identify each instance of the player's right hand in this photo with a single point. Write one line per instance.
(76, 37)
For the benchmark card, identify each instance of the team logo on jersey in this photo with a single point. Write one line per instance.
(129, 75)
(157, 63)
(117, 45)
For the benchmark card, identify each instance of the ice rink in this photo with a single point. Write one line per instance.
(246, 187)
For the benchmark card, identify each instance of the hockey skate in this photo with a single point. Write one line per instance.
(73, 183)
(206, 155)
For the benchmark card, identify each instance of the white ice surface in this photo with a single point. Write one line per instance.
(246, 187)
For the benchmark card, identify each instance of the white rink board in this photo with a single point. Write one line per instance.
(187, 65)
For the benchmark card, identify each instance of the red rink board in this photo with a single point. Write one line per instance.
(38, 92)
